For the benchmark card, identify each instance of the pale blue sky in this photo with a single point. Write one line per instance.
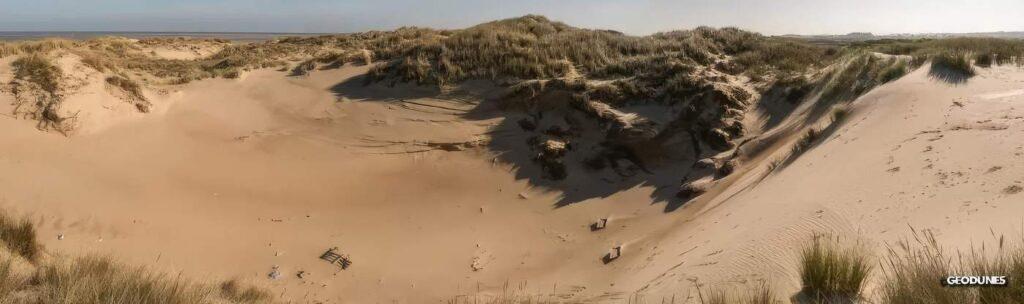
(634, 17)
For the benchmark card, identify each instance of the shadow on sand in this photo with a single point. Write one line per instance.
(514, 145)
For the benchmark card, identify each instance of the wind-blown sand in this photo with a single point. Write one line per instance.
(230, 177)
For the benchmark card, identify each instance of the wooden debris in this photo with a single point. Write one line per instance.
(612, 255)
(332, 256)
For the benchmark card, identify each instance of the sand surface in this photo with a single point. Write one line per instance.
(228, 178)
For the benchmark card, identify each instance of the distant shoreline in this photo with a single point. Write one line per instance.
(79, 35)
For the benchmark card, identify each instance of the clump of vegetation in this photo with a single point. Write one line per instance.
(19, 236)
(762, 294)
(858, 73)
(304, 68)
(1002, 51)
(26, 276)
(93, 279)
(953, 62)
(37, 69)
(35, 46)
(893, 72)
(37, 92)
(839, 114)
(133, 91)
(830, 273)
(913, 273)
(983, 59)
(533, 47)
(806, 140)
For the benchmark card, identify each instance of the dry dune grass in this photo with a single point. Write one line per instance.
(93, 279)
(957, 62)
(133, 91)
(533, 47)
(27, 276)
(19, 236)
(38, 69)
(1002, 51)
(25, 47)
(911, 274)
(914, 270)
(832, 273)
(762, 294)
(38, 91)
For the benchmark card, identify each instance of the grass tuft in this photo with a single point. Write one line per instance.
(913, 273)
(38, 69)
(19, 236)
(830, 273)
(983, 59)
(762, 294)
(127, 85)
(893, 72)
(954, 62)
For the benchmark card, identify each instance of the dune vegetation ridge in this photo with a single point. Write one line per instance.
(710, 165)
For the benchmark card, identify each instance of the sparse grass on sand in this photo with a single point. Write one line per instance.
(914, 270)
(28, 276)
(38, 69)
(129, 86)
(831, 273)
(911, 274)
(806, 141)
(762, 294)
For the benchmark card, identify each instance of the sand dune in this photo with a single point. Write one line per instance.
(442, 194)
(231, 177)
(269, 170)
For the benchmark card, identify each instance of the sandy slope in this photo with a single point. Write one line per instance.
(229, 177)
(918, 153)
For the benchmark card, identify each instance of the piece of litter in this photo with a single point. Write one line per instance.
(301, 274)
(60, 236)
(523, 195)
(600, 224)
(332, 256)
(275, 273)
(613, 254)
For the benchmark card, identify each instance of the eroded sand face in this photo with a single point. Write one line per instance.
(230, 177)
